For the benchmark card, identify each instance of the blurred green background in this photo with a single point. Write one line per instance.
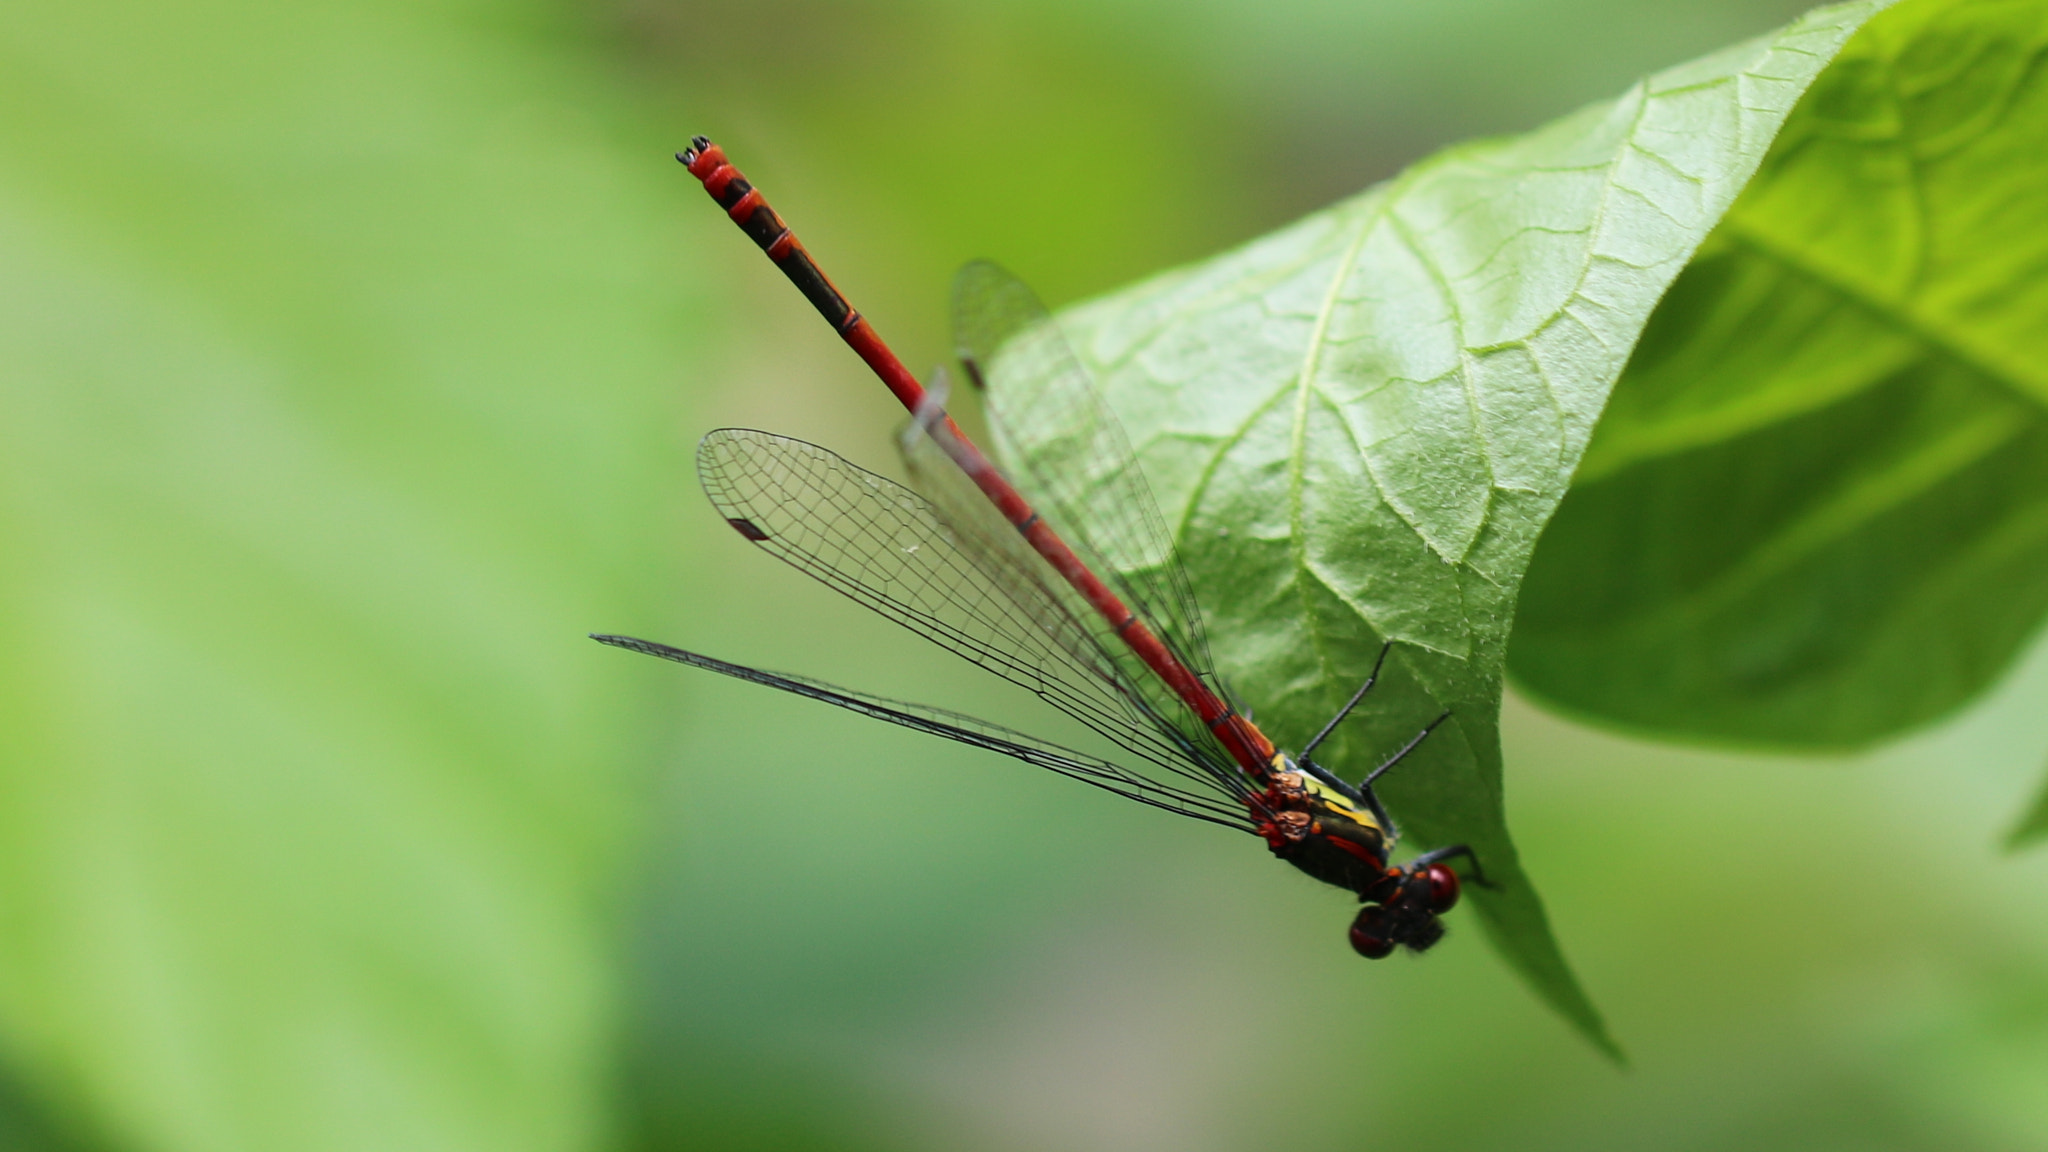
(351, 355)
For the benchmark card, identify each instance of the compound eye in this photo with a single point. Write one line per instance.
(1368, 935)
(1443, 888)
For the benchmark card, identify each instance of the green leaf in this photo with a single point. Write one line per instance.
(1360, 424)
(2033, 827)
(326, 427)
(1815, 513)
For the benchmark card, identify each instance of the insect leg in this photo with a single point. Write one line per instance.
(1439, 855)
(1371, 798)
(1329, 778)
(1349, 705)
(1410, 746)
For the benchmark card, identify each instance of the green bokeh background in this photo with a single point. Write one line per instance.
(350, 359)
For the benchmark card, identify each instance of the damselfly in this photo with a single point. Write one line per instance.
(1077, 597)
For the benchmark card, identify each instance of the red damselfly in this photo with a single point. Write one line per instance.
(1077, 596)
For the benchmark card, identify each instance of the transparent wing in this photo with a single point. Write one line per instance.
(890, 549)
(967, 730)
(1000, 550)
(1078, 466)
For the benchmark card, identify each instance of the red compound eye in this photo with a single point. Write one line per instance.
(1443, 888)
(1368, 935)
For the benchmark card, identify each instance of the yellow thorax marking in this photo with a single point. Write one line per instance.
(1329, 797)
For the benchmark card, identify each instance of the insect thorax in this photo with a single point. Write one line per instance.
(1321, 832)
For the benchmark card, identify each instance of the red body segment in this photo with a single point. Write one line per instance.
(744, 203)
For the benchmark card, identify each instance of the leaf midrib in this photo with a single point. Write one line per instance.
(1297, 445)
(1848, 512)
(1903, 316)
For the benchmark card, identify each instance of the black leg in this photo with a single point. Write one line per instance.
(1397, 757)
(1329, 778)
(1353, 703)
(1439, 855)
(1372, 799)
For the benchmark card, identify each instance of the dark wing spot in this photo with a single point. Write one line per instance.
(747, 528)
